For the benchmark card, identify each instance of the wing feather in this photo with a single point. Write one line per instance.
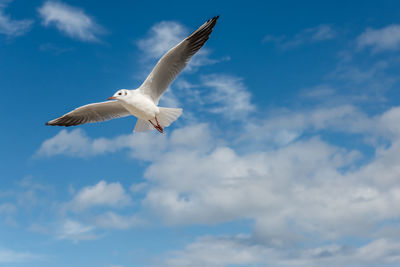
(175, 60)
(95, 112)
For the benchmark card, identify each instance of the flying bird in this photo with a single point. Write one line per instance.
(143, 101)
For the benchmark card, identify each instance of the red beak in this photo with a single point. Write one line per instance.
(111, 98)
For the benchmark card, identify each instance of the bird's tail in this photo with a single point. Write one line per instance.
(165, 118)
(143, 126)
(168, 115)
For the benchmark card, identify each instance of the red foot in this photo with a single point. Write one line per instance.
(158, 126)
(160, 129)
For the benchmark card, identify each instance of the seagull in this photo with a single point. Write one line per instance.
(143, 101)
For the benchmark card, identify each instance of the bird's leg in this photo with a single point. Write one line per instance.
(158, 124)
(158, 127)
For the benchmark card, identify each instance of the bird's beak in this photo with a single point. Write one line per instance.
(111, 98)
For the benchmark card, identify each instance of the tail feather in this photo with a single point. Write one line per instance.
(168, 115)
(165, 118)
(143, 126)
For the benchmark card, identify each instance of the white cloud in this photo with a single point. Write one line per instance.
(304, 195)
(10, 27)
(101, 194)
(316, 34)
(197, 179)
(87, 224)
(380, 251)
(208, 251)
(362, 83)
(70, 20)
(76, 143)
(227, 251)
(221, 94)
(116, 221)
(228, 96)
(321, 33)
(318, 92)
(300, 189)
(66, 229)
(73, 230)
(223, 185)
(387, 38)
(137, 187)
(70, 143)
(11, 256)
(301, 186)
(196, 137)
(141, 146)
(285, 126)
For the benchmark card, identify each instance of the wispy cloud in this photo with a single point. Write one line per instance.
(10, 27)
(57, 50)
(228, 96)
(72, 21)
(27, 196)
(116, 221)
(105, 198)
(222, 94)
(76, 231)
(101, 194)
(384, 39)
(161, 37)
(316, 34)
(12, 256)
(90, 213)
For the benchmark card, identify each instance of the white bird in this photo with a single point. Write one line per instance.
(143, 101)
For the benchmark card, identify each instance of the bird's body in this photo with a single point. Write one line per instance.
(143, 102)
(140, 105)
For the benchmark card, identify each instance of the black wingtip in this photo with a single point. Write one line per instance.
(47, 124)
(213, 18)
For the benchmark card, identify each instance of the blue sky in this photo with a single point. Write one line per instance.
(286, 153)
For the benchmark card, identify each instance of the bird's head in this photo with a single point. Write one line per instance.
(120, 95)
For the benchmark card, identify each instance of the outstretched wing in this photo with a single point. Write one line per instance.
(95, 112)
(173, 62)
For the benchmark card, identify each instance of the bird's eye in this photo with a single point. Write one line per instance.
(119, 93)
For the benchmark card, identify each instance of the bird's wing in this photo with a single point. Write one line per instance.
(173, 62)
(95, 112)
